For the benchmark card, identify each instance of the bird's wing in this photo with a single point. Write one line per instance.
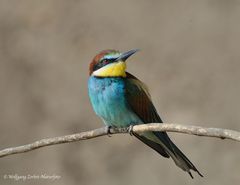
(140, 102)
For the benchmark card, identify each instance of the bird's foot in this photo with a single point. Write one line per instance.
(130, 130)
(109, 131)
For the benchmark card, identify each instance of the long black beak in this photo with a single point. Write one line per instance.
(124, 56)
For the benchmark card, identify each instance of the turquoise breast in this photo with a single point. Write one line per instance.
(107, 96)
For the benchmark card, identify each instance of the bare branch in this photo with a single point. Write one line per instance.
(186, 129)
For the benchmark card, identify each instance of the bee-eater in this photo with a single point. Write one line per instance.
(121, 100)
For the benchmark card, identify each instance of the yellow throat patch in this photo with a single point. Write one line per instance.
(112, 70)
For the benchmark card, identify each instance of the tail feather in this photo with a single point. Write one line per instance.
(182, 161)
(167, 148)
(155, 146)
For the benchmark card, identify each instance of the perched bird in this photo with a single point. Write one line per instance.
(121, 100)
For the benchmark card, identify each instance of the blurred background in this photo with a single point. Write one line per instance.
(189, 59)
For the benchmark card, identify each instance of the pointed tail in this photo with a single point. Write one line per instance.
(167, 148)
(181, 160)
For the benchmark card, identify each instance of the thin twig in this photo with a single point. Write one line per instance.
(168, 127)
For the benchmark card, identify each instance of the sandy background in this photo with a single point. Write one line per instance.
(189, 58)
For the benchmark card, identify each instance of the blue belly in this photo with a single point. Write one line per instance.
(107, 96)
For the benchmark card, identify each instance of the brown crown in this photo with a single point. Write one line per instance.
(97, 58)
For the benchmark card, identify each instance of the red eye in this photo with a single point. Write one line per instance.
(104, 62)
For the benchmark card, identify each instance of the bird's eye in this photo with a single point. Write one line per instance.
(104, 62)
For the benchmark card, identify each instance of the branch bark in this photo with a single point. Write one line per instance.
(167, 127)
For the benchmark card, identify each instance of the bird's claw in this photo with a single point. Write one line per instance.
(109, 131)
(130, 130)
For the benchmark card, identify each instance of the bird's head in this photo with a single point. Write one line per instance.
(110, 63)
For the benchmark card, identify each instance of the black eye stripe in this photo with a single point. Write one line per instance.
(102, 63)
(107, 61)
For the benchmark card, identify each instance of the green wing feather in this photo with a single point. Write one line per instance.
(139, 100)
